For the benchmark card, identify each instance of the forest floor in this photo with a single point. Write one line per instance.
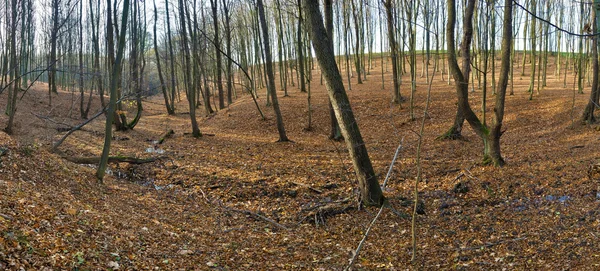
(235, 199)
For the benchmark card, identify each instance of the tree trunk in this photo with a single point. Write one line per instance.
(113, 94)
(588, 113)
(371, 193)
(191, 87)
(228, 51)
(335, 133)
(396, 96)
(271, 77)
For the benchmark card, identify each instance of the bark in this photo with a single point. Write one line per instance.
(371, 193)
(396, 96)
(588, 113)
(14, 67)
(228, 50)
(113, 95)
(300, 49)
(191, 88)
(270, 76)
(335, 132)
(490, 136)
(163, 86)
(217, 41)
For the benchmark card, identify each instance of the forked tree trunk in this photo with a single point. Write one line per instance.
(489, 135)
(370, 190)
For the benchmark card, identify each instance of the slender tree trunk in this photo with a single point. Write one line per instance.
(113, 94)
(14, 68)
(335, 132)
(191, 89)
(396, 96)
(168, 103)
(588, 113)
(300, 49)
(371, 193)
(271, 77)
(228, 51)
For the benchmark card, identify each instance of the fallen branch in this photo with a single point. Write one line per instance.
(308, 186)
(246, 212)
(257, 216)
(52, 120)
(491, 244)
(355, 253)
(111, 159)
(7, 217)
(165, 136)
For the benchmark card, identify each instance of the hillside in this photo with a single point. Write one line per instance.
(235, 199)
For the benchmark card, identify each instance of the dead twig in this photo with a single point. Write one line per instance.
(486, 245)
(246, 212)
(389, 173)
(308, 186)
(362, 242)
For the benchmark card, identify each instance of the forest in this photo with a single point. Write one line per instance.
(299, 135)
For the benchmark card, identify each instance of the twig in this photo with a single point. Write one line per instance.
(492, 244)
(7, 217)
(255, 215)
(420, 167)
(389, 173)
(362, 242)
(246, 212)
(52, 120)
(308, 186)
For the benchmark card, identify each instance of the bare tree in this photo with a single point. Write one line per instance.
(371, 193)
(271, 77)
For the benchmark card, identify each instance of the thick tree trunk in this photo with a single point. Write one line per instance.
(371, 193)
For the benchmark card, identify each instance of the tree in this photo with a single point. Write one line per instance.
(13, 90)
(588, 113)
(169, 104)
(396, 96)
(371, 193)
(214, 4)
(271, 77)
(116, 69)
(489, 135)
(191, 88)
(300, 49)
(335, 132)
(228, 51)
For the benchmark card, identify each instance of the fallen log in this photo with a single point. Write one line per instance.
(165, 136)
(111, 159)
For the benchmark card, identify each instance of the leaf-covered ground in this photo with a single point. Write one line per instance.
(237, 200)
